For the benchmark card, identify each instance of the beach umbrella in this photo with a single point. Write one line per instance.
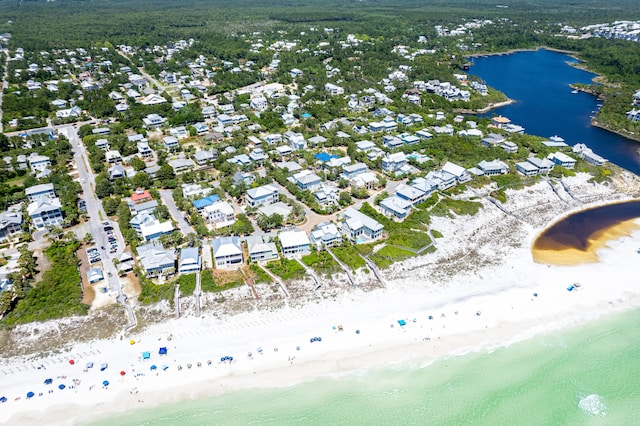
(30, 394)
(132, 342)
(48, 381)
(430, 317)
(153, 367)
(3, 399)
(122, 373)
(535, 294)
(71, 362)
(357, 331)
(105, 383)
(61, 386)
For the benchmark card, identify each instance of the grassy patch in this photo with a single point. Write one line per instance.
(349, 255)
(286, 269)
(58, 294)
(151, 292)
(258, 275)
(409, 238)
(436, 233)
(459, 207)
(321, 262)
(388, 255)
(222, 280)
(187, 284)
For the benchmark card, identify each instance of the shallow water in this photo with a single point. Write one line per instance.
(584, 375)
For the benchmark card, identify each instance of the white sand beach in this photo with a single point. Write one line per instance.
(479, 290)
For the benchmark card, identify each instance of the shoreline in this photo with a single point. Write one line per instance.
(485, 109)
(456, 312)
(634, 138)
(570, 53)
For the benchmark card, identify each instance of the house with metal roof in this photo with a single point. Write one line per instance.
(155, 260)
(219, 214)
(410, 193)
(189, 260)
(395, 207)
(360, 227)
(262, 196)
(94, 275)
(227, 252)
(260, 248)
(562, 159)
(10, 224)
(294, 243)
(44, 190)
(45, 212)
(492, 168)
(325, 234)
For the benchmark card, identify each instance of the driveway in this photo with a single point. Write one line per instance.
(167, 198)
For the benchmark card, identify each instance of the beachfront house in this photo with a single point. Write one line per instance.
(325, 234)
(526, 168)
(294, 243)
(562, 159)
(459, 172)
(359, 227)
(411, 193)
(492, 168)
(260, 248)
(262, 196)
(227, 252)
(544, 165)
(395, 207)
(189, 260)
(155, 260)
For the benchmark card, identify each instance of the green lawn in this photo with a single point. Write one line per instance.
(459, 207)
(409, 238)
(349, 255)
(321, 262)
(387, 256)
(286, 269)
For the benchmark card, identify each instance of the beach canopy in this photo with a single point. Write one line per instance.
(71, 362)
(89, 365)
(3, 399)
(402, 323)
(146, 355)
(357, 331)
(122, 373)
(105, 383)
(103, 366)
(153, 367)
(165, 367)
(162, 351)
(48, 381)
(30, 394)
(61, 386)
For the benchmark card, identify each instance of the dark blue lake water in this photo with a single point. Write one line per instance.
(539, 82)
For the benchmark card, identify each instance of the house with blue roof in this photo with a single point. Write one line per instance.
(324, 157)
(204, 202)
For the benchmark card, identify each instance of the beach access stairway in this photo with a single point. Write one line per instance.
(176, 296)
(375, 270)
(344, 267)
(568, 191)
(276, 279)
(198, 292)
(555, 190)
(497, 204)
(249, 281)
(311, 273)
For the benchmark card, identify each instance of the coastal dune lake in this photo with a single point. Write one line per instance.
(539, 83)
(577, 238)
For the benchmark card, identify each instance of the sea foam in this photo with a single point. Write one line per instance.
(593, 404)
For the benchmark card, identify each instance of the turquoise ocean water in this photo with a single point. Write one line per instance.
(585, 375)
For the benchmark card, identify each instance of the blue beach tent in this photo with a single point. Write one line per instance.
(402, 323)
(146, 355)
(30, 394)
(162, 351)
(48, 381)
(61, 386)
(105, 383)
(3, 399)
(153, 367)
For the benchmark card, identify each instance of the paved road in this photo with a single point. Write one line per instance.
(97, 216)
(178, 216)
(4, 82)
